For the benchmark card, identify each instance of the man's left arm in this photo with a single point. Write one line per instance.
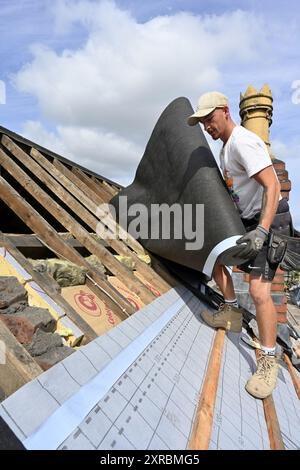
(255, 239)
(268, 179)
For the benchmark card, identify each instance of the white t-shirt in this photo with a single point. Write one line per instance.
(244, 155)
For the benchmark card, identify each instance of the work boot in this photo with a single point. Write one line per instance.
(263, 382)
(227, 317)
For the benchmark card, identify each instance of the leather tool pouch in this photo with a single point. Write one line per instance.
(276, 248)
(291, 258)
(282, 248)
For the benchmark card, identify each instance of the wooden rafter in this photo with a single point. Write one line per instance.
(96, 188)
(50, 287)
(92, 203)
(77, 230)
(202, 428)
(88, 218)
(44, 230)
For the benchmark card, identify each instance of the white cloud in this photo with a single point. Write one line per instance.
(105, 97)
(105, 153)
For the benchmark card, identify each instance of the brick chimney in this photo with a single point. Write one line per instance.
(256, 110)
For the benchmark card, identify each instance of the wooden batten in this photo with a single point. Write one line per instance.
(108, 188)
(96, 188)
(275, 436)
(108, 260)
(202, 428)
(49, 285)
(81, 184)
(294, 376)
(90, 204)
(50, 237)
(19, 367)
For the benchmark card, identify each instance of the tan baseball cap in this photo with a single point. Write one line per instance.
(206, 104)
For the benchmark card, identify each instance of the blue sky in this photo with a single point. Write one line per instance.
(88, 79)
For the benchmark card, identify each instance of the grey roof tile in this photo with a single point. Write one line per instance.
(111, 347)
(195, 380)
(251, 435)
(126, 387)
(157, 444)
(173, 438)
(187, 389)
(134, 323)
(134, 427)
(187, 406)
(95, 426)
(129, 330)
(136, 374)
(113, 404)
(77, 441)
(11, 423)
(225, 441)
(155, 394)
(147, 409)
(22, 408)
(162, 381)
(119, 337)
(173, 412)
(145, 363)
(79, 367)
(59, 383)
(115, 440)
(96, 355)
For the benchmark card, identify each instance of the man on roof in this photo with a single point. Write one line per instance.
(254, 187)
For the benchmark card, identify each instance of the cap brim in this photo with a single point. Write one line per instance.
(194, 118)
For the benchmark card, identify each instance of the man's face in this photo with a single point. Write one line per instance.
(215, 122)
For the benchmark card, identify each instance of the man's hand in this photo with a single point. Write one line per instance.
(254, 241)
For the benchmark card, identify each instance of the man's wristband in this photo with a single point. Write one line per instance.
(263, 230)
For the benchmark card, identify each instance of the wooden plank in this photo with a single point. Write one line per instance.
(19, 367)
(31, 241)
(275, 436)
(41, 227)
(32, 247)
(110, 189)
(202, 428)
(88, 201)
(81, 184)
(50, 287)
(108, 260)
(293, 374)
(96, 188)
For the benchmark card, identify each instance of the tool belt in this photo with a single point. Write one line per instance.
(285, 250)
(284, 243)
